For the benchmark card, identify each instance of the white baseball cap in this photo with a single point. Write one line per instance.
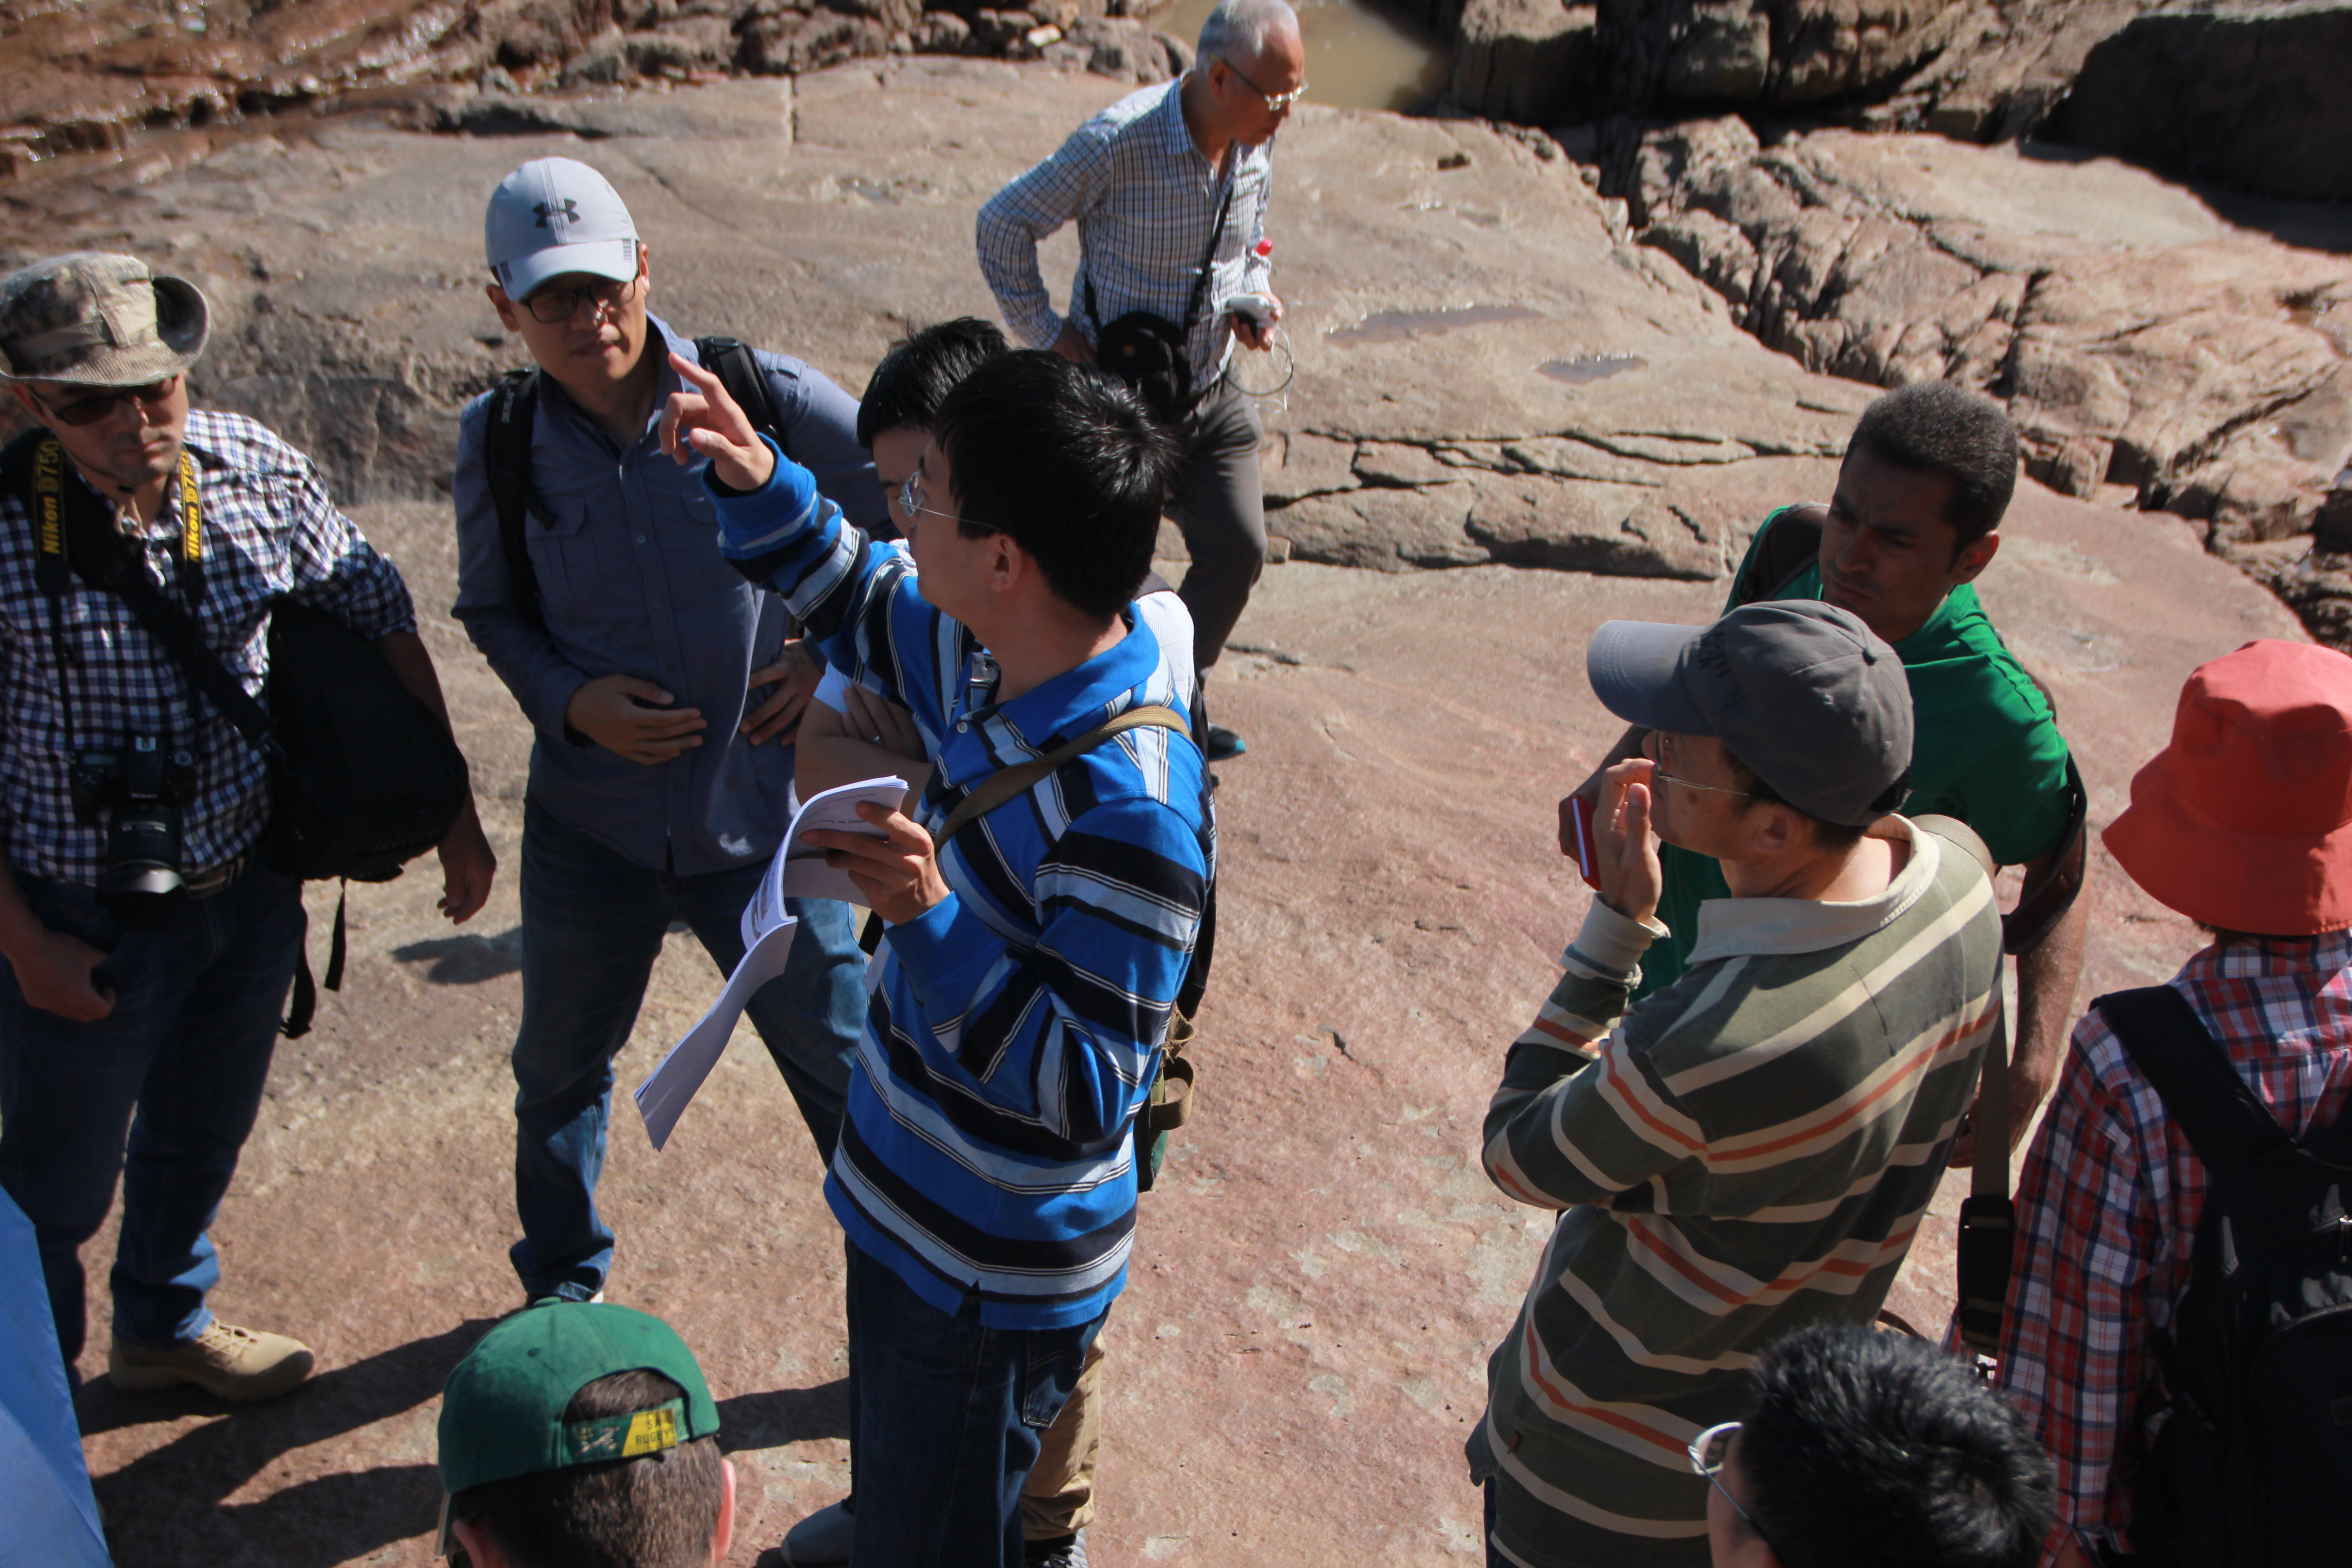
(554, 216)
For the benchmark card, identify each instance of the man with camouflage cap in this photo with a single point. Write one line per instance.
(162, 1008)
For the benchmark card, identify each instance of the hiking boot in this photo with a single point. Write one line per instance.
(820, 1539)
(225, 1360)
(1220, 745)
(1061, 1552)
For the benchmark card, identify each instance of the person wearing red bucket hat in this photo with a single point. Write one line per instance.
(2243, 823)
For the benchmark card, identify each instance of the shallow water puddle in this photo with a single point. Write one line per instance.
(1592, 368)
(1396, 326)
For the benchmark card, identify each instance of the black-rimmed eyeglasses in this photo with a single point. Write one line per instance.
(554, 305)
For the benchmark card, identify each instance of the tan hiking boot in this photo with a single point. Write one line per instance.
(224, 1360)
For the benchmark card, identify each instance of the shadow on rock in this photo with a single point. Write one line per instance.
(466, 959)
(785, 1415)
(171, 1505)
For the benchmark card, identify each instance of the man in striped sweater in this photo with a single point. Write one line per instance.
(1748, 1150)
(985, 1173)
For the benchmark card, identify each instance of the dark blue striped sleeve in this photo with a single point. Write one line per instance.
(840, 584)
(1065, 1031)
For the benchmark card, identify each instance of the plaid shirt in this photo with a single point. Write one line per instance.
(2110, 1198)
(268, 528)
(1143, 197)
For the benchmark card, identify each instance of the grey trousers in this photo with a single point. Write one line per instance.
(1219, 505)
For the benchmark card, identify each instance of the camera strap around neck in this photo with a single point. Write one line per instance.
(78, 538)
(1200, 296)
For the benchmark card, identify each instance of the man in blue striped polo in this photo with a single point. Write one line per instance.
(986, 1174)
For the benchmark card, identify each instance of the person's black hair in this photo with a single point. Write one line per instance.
(1826, 835)
(656, 1510)
(1871, 1448)
(919, 371)
(1933, 427)
(1064, 461)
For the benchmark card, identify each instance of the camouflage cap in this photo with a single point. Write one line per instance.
(92, 319)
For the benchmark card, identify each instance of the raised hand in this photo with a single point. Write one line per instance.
(703, 421)
(1631, 877)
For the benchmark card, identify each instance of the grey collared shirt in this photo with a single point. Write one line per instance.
(632, 583)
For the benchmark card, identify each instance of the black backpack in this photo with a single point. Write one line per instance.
(364, 778)
(506, 454)
(2255, 1454)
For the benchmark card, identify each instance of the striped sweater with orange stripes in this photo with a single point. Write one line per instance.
(1744, 1153)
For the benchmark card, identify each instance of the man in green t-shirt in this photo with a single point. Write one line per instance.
(1914, 521)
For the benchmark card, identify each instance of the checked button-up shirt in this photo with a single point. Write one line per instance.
(268, 528)
(1143, 197)
(2109, 1205)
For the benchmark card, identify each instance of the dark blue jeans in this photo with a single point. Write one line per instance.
(593, 923)
(173, 1076)
(946, 1421)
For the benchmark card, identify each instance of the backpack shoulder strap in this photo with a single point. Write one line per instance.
(1007, 782)
(506, 458)
(1791, 542)
(738, 370)
(2224, 1121)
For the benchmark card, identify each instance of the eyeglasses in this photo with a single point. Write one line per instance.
(910, 499)
(1274, 102)
(99, 404)
(554, 305)
(1707, 1451)
(1659, 775)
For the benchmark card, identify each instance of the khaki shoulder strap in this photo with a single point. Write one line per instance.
(1007, 782)
(1989, 1177)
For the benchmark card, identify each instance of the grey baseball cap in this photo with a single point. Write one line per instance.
(96, 319)
(1814, 701)
(554, 216)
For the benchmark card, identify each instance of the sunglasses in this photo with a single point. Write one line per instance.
(99, 404)
(1707, 1451)
(1276, 102)
(554, 305)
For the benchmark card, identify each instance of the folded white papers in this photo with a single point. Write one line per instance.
(665, 1095)
(798, 871)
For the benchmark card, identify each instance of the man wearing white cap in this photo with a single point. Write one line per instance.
(664, 689)
(137, 1018)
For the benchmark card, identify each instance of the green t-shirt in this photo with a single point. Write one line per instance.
(1985, 748)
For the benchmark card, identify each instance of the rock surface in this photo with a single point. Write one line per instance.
(75, 74)
(1320, 1274)
(2148, 349)
(2252, 94)
(1489, 370)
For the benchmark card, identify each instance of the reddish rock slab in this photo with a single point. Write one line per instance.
(1300, 1348)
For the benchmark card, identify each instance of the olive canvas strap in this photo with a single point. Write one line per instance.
(1006, 783)
(1989, 1215)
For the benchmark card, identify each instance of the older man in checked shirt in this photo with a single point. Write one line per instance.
(1145, 180)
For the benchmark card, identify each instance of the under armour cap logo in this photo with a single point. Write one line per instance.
(569, 212)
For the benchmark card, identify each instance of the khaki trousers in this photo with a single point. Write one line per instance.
(1059, 1498)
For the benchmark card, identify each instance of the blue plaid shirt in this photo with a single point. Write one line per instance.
(268, 528)
(1143, 199)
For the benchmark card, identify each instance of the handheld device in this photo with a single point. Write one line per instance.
(1255, 309)
(1587, 846)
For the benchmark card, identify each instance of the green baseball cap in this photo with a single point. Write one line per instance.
(502, 1408)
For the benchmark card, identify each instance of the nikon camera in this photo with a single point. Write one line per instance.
(142, 788)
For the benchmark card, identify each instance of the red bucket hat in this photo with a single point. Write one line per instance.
(2245, 821)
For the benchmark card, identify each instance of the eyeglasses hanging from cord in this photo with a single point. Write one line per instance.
(1270, 383)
